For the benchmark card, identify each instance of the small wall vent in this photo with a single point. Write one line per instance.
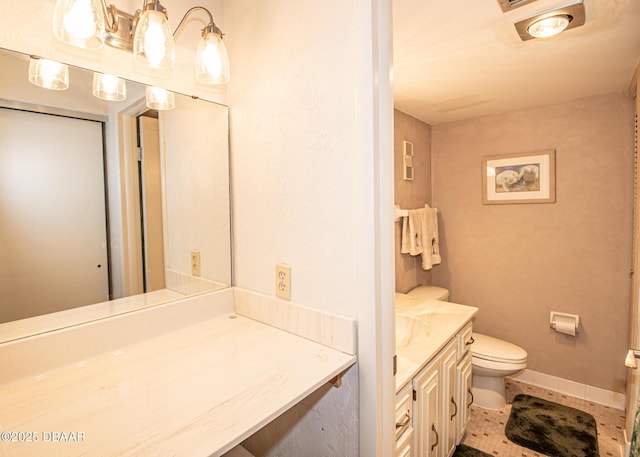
(408, 160)
(508, 5)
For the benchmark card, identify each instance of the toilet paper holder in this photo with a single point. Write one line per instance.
(554, 314)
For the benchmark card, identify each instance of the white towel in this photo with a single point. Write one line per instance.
(434, 244)
(420, 236)
(412, 233)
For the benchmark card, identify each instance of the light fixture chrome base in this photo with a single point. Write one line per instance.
(509, 5)
(120, 35)
(575, 12)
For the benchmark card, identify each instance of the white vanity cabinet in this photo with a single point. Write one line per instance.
(433, 342)
(441, 399)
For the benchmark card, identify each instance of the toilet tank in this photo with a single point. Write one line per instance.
(432, 292)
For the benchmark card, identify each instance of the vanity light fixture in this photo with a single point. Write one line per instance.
(90, 23)
(48, 74)
(159, 99)
(551, 22)
(109, 87)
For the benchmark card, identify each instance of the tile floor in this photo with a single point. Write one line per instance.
(486, 428)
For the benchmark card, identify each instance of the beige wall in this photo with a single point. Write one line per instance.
(411, 194)
(518, 262)
(311, 187)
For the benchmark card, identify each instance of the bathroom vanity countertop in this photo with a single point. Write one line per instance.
(197, 391)
(14, 330)
(436, 322)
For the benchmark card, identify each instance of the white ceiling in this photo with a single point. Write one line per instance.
(459, 59)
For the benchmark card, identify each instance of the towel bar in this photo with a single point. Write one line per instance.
(399, 213)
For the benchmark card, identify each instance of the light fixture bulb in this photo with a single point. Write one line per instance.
(159, 99)
(212, 60)
(79, 23)
(109, 87)
(153, 45)
(48, 74)
(549, 26)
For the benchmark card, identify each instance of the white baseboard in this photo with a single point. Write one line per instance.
(573, 389)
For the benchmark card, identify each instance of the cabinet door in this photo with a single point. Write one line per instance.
(426, 411)
(450, 401)
(465, 396)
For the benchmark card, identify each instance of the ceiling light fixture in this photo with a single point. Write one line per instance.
(88, 24)
(549, 26)
(551, 22)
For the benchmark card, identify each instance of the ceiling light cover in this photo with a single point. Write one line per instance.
(568, 16)
(48, 74)
(549, 26)
(79, 23)
(109, 87)
(160, 99)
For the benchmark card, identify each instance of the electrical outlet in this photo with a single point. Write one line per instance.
(195, 263)
(283, 281)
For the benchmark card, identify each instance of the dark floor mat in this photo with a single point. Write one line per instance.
(551, 429)
(466, 451)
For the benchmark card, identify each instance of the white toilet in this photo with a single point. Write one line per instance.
(491, 359)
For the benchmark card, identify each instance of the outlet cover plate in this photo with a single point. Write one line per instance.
(283, 281)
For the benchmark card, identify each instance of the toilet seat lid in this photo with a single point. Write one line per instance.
(489, 348)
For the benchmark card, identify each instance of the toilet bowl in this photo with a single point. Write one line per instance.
(492, 359)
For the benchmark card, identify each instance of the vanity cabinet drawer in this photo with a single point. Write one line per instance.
(404, 446)
(404, 413)
(465, 340)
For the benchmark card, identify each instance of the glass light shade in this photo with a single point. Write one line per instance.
(79, 23)
(109, 87)
(212, 60)
(48, 74)
(153, 45)
(549, 26)
(160, 99)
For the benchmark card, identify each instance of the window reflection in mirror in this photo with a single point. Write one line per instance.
(105, 200)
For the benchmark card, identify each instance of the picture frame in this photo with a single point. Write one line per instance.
(519, 178)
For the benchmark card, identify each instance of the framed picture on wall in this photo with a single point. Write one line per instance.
(519, 178)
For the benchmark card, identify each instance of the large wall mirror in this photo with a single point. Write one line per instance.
(106, 206)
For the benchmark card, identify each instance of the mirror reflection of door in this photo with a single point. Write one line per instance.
(53, 233)
(151, 202)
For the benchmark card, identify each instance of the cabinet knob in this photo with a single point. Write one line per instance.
(470, 393)
(470, 341)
